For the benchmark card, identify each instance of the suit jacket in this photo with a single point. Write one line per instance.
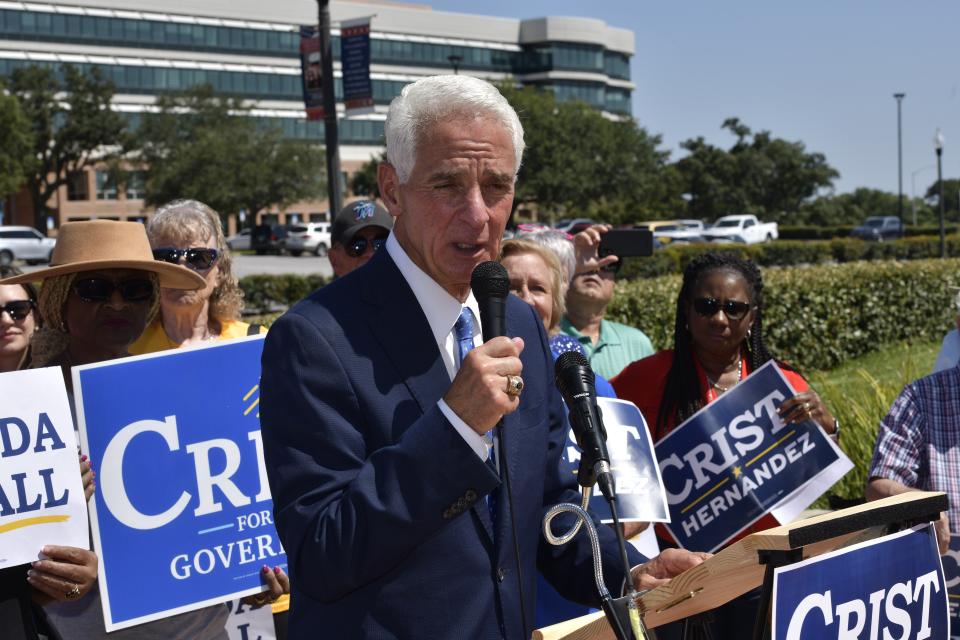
(379, 502)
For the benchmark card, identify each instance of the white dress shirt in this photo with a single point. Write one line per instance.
(442, 311)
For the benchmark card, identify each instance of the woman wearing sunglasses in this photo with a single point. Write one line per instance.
(18, 320)
(189, 233)
(97, 296)
(718, 340)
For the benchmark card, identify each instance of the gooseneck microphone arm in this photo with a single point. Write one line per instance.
(491, 286)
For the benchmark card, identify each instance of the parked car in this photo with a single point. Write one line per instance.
(741, 228)
(573, 225)
(675, 231)
(268, 238)
(239, 241)
(879, 228)
(312, 237)
(24, 243)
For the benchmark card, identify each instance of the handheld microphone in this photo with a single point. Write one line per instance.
(491, 285)
(575, 380)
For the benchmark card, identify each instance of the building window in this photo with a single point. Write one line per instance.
(106, 186)
(77, 186)
(135, 187)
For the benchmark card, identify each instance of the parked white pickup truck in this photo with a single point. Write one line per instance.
(742, 228)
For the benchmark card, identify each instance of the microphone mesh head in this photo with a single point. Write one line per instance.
(573, 374)
(490, 280)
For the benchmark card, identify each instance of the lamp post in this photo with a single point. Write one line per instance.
(913, 190)
(455, 60)
(330, 138)
(938, 145)
(899, 97)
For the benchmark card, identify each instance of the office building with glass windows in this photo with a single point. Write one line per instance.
(250, 49)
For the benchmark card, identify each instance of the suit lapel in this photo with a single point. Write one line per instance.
(401, 328)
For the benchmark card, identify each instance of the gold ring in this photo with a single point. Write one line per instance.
(514, 386)
(73, 593)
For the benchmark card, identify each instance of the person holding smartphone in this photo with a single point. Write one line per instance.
(610, 346)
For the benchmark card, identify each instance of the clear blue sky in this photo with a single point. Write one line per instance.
(820, 71)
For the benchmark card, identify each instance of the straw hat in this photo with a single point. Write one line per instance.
(106, 244)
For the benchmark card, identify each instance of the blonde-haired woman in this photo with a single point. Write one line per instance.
(189, 233)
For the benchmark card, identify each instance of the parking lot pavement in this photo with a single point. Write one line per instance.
(272, 265)
(244, 265)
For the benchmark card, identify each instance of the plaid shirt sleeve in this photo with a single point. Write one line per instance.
(898, 454)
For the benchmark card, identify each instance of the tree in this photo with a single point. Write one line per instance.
(364, 181)
(202, 146)
(16, 151)
(73, 127)
(578, 162)
(951, 197)
(759, 174)
(853, 208)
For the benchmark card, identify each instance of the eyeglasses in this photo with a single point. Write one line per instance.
(733, 309)
(359, 246)
(198, 258)
(18, 309)
(101, 289)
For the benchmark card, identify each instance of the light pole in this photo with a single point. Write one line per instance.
(938, 145)
(913, 190)
(331, 139)
(899, 97)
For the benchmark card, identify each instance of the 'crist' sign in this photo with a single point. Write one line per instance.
(887, 588)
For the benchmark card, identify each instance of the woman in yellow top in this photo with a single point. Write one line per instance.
(189, 233)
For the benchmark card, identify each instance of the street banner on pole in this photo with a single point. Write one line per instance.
(41, 492)
(736, 460)
(182, 502)
(355, 64)
(311, 72)
(890, 587)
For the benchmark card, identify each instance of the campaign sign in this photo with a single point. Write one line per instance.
(250, 623)
(183, 514)
(735, 460)
(41, 492)
(890, 587)
(951, 574)
(355, 64)
(640, 495)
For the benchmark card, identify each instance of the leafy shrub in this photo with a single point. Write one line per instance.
(787, 232)
(266, 293)
(819, 316)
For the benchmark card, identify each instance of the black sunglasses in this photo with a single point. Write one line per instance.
(198, 258)
(18, 309)
(101, 289)
(733, 309)
(359, 246)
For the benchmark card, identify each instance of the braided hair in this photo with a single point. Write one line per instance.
(682, 393)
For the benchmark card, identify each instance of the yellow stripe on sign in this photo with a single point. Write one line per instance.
(767, 450)
(252, 407)
(29, 522)
(694, 503)
(251, 392)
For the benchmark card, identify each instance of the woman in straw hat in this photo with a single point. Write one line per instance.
(99, 293)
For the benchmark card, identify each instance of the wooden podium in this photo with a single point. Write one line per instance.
(750, 562)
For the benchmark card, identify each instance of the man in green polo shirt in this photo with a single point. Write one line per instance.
(610, 346)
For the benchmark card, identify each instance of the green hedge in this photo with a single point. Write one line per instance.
(786, 253)
(266, 293)
(788, 232)
(819, 316)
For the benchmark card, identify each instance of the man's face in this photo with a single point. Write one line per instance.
(594, 289)
(346, 258)
(451, 213)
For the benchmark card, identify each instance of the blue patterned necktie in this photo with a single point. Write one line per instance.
(463, 332)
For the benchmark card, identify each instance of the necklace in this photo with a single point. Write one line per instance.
(721, 389)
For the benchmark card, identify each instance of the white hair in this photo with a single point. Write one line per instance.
(437, 98)
(559, 244)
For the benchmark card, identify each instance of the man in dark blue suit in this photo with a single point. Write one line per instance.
(377, 418)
